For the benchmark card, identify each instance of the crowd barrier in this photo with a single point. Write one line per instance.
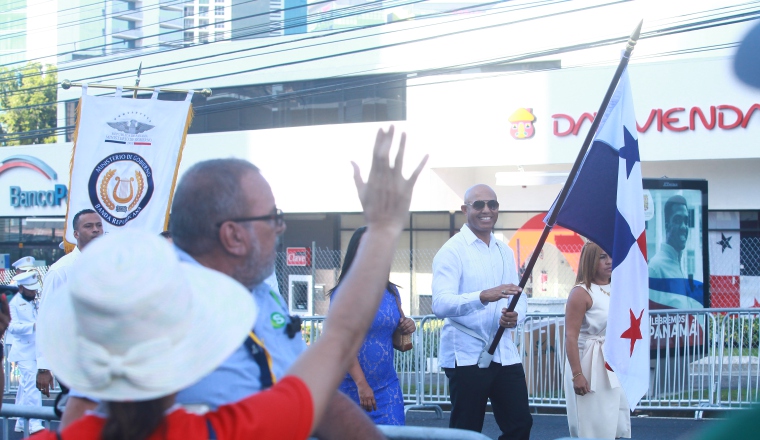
(390, 432)
(701, 359)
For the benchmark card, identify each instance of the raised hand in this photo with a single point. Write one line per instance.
(386, 195)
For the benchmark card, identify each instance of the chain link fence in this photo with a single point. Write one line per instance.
(734, 279)
(734, 272)
(734, 283)
(306, 287)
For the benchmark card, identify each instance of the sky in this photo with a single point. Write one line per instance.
(615, 19)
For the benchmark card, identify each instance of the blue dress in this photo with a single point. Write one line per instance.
(376, 360)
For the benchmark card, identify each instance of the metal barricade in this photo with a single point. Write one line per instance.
(736, 364)
(431, 387)
(46, 414)
(681, 367)
(700, 359)
(541, 343)
(428, 433)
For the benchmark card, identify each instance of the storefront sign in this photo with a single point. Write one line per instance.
(725, 117)
(298, 256)
(30, 186)
(53, 197)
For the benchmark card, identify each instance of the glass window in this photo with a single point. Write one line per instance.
(302, 103)
(10, 230)
(189, 37)
(218, 36)
(120, 26)
(431, 221)
(203, 11)
(218, 10)
(13, 44)
(203, 37)
(202, 2)
(203, 22)
(189, 11)
(189, 22)
(42, 229)
(219, 25)
(120, 44)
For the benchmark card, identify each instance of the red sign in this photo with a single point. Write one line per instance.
(299, 256)
(728, 117)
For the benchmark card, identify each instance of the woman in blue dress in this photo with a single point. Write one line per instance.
(371, 381)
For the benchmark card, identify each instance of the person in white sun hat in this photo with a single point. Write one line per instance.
(144, 327)
(23, 308)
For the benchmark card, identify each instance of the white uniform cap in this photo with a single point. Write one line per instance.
(24, 263)
(29, 280)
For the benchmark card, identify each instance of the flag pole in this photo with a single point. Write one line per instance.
(570, 178)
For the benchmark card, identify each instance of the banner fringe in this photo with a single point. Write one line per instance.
(68, 247)
(188, 123)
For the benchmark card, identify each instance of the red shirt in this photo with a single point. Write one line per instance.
(284, 411)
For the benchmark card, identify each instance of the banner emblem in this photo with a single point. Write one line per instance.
(120, 187)
(127, 130)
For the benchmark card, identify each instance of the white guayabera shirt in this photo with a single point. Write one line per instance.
(462, 268)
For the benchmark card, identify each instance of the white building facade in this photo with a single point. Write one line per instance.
(302, 112)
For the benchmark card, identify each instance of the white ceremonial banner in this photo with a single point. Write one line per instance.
(125, 160)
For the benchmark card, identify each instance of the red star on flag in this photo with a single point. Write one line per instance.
(634, 331)
(756, 305)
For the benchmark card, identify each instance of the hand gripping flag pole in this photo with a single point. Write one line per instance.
(570, 178)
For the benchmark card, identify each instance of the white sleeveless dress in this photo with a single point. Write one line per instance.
(603, 413)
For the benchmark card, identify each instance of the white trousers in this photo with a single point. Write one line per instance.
(28, 394)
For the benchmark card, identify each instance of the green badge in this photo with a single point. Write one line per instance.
(278, 320)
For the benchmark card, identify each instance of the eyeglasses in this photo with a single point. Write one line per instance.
(493, 205)
(277, 217)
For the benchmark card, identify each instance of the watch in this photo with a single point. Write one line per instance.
(43, 370)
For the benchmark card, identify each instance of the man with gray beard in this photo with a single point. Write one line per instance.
(224, 217)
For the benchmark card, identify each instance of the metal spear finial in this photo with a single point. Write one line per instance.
(634, 38)
(137, 81)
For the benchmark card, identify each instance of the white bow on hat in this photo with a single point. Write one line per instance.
(101, 367)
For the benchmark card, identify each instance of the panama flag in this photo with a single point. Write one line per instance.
(605, 204)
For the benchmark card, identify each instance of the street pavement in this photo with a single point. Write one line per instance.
(549, 427)
(545, 426)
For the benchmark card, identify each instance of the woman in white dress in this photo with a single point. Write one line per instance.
(596, 404)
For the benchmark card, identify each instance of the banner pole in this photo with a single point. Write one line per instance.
(137, 81)
(570, 178)
(66, 84)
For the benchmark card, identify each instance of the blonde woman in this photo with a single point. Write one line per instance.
(596, 404)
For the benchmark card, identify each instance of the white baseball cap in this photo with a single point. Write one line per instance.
(136, 323)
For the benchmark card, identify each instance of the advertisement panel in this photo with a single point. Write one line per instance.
(676, 229)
